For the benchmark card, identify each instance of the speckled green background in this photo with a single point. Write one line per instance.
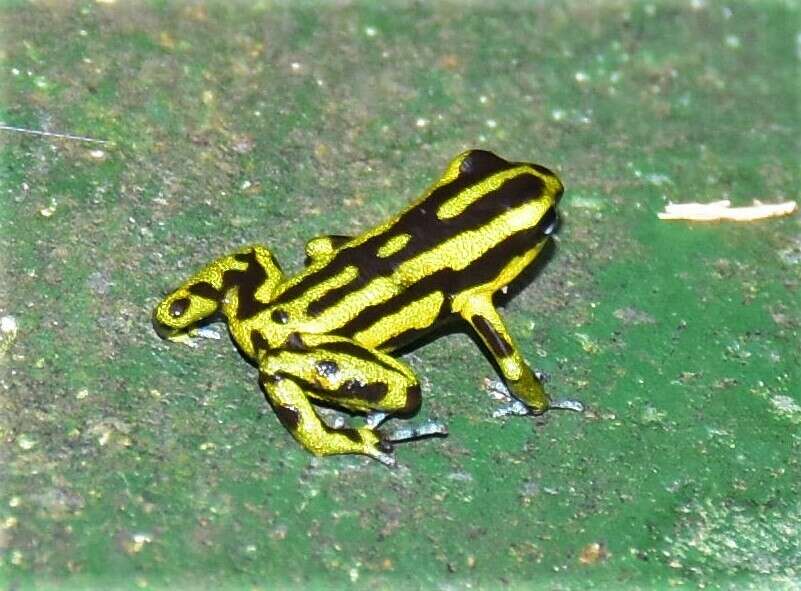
(128, 462)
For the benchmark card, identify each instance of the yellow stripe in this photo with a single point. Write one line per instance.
(344, 277)
(461, 250)
(375, 292)
(456, 253)
(456, 205)
(393, 245)
(512, 269)
(418, 314)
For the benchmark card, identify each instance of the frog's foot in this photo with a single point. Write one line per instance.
(381, 451)
(515, 407)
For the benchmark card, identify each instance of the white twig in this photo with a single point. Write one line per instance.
(63, 136)
(722, 210)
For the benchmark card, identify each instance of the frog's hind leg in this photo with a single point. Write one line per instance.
(370, 371)
(340, 372)
(291, 404)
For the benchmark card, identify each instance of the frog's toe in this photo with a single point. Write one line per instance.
(567, 404)
(497, 390)
(518, 408)
(514, 408)
(382, 451)
(427, 429)
(387, 459)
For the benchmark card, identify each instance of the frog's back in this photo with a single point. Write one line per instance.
(387, 285)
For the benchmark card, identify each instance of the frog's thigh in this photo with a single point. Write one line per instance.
(339, 371)
(292, 406)
(479, 311)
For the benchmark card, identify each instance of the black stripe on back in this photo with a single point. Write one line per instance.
(248, 280)
(426, 230)
(449, 281)
(476, 166)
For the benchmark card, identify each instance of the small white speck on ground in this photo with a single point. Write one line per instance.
(49, 210)
(792, 254)
(732, 41)
(8, 325)
(25, 442)
(786, 405)
(658, 180)
(8, 333)
(207, 332)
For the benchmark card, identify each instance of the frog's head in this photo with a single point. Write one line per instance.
(250, 272)
(184, 309)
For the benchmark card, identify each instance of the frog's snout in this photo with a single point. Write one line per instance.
(164, 331)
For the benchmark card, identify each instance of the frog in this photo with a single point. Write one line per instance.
(325, 336)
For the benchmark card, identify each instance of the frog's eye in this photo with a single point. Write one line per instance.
(550, 222)
(178, 307)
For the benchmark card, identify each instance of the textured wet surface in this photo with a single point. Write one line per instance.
(128, 461)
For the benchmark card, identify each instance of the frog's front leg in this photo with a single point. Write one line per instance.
(479, 311)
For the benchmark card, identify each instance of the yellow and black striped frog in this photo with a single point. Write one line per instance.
(325, 335)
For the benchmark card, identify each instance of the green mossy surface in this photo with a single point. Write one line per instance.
(128, 462)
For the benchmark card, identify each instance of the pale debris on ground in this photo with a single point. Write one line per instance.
(722, 210)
